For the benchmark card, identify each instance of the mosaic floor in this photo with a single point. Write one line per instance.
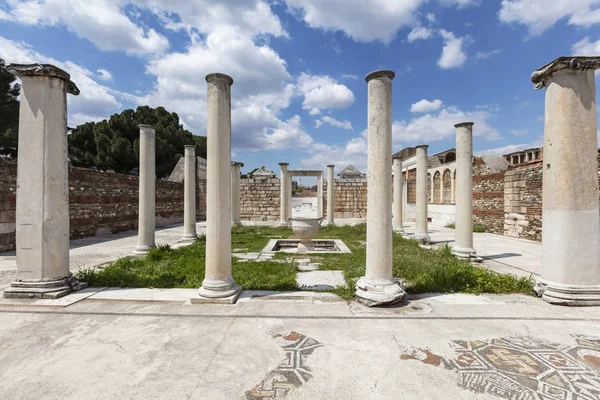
(291, 373)
(523, 368)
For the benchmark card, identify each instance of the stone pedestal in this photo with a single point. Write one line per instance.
(570, 209)
(218, 285)
(189, 195)
(235, 193)
(421, 231)
(463, 247)
(285, 195)
(42, 209)
(397, 222)
(330, 195)
(147, 192)
(378, 286)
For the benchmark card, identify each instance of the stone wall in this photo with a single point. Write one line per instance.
(523, 202)
(488, 197)
(100, 203)
(350, 198)
(260, 199)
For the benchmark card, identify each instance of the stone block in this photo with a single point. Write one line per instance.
(7, 216)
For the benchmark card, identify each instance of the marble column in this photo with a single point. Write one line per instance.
(378, 286)
(285, 198)
(421, 231)
(42, 209)
(235, 193)
(218, 285)
(147, 192)
(330, 195)
(463, 246)
(570, 208)
(320, 196)
(189, 194)
(397, 222)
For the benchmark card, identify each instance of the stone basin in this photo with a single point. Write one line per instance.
(305, 229)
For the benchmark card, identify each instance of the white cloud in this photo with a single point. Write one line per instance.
(104, 75)
(585, 47)
(419, 33)
(541, 15)
(511, 148)
(354, 152)
(519, 132)
(345, 124)
(460, 3)
(425, 106)
(95, 101)
(486, 54)
(363, 21)
(350, 76)
(322, 92)
(453, 55)
(431, 18)
(103, 22)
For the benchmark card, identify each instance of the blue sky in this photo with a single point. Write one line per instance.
(299, 94)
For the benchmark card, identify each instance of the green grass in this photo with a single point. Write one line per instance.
(422, 270)
(476, 228)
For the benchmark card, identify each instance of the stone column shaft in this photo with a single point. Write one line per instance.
(235, 193)
(330, 195)
(189, 194)
(320, 196)
(421, 231)
(463, 247)
(147, 196)
(398, 186)
(378, 287)
(284, 195)
(570, 208)
(218, 284)
(42, 209)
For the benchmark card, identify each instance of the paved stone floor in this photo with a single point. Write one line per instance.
(266, 347)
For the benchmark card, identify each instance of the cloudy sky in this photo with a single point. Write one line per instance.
(299, 65)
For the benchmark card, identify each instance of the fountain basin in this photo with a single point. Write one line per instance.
(305, 228)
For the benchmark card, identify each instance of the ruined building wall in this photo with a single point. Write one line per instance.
(350, 198)
(523, 199)
(488, 197)
(259, 199)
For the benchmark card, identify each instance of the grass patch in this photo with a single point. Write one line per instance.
(423, 270)
(476, 228)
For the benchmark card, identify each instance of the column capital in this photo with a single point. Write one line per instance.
(237, 164)
(217, 77)
(422, 146)
(188, 146)
(465, 124)
(381, 73)
(145, 126)
(331, 166)
(283, 164)
(47, 70)
(574, 63)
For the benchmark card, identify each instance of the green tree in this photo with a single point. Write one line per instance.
(113, 144)
(9, 111)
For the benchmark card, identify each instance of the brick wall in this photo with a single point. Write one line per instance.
(523, 199)
(259, 199)
(488, 197)
(100, 203)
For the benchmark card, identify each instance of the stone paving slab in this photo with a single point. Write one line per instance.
(320, 280)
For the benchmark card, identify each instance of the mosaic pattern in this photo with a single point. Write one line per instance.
(523, 368)
(291, 373)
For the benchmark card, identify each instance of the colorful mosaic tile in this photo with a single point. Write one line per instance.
(291, 373)
(523, 368)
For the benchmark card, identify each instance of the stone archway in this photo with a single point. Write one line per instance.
(429, 189)
(437, 187)
(447, 187)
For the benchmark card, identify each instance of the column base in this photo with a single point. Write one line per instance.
(423, 238)
(236, 224)
(375, 293)
(188, 238)
(568, 295)
(399, 230)
(465, 253)
(141, 251)
(217, 291)
(40, 289)
(286, 224)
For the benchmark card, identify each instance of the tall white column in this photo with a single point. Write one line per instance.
(570, 208)
(320, 196)
(42, 209)
(398, 186)
(218, 284)
(330, 195)
(189, 194)
(463, 247)
(284, 198)
(147, 192)
(378, 287)
(235, 193)
(421, 231)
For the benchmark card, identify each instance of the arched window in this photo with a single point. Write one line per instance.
(450, 157)
(437, 187)
(429, 188)
(447, 185)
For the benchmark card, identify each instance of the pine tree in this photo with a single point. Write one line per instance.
(9, 111)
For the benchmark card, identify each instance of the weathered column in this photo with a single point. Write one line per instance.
(570, 208)
(330, 195)
(235, 193)
(378, 286)
(452, 187)
(421, 231)
(284, 199)
(218, 284)
(320, 195)
(463, 246)
(147, 193)
(398, 186)
(189, 194)
(42, 209)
